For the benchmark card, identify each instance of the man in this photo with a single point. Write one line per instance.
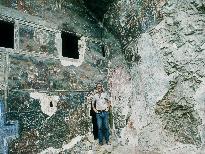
(101, 108)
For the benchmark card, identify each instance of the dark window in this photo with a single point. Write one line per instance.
(6, 34)
(69, 45)
(103, 50)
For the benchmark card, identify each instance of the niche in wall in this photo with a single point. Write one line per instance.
(6, 34)
(70, 45)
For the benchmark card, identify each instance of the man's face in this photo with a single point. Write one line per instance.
(99, 87)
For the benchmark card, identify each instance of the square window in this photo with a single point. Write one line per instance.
(6, 34)
(70, 45)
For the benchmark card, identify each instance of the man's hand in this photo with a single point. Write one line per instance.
(96, 111)
(109, 104)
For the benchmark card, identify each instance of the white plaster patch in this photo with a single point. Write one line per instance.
(45, 102)
(70, 145)
(50, 150)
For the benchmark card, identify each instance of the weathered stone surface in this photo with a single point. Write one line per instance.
(127, 19)
(71, 14)
(155, 75)
(167, 81)
(8, 130)
(36, 40)
(179, 117)
(39, 129)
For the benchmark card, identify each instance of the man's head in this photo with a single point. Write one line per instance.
(99, 87)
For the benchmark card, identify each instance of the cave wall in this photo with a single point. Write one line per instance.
(44, 92)
(165, 61)
(127, 19)
(155, 75)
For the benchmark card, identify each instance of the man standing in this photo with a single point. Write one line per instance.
(101, 108)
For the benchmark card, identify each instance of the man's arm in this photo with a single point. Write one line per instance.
(93, 105)
(107, 98)
(109, 104)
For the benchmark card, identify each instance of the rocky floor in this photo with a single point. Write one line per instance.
(87, 145)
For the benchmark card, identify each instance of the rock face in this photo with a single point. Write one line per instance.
(154, 72)
(128, 18)
(182, 55)
(167, 103)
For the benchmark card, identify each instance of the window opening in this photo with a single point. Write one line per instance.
(70, 45)
(6, 34)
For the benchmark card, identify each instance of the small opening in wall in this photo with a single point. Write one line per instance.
(51, 104)
(70, 45)
(103, 50)
(6, 34)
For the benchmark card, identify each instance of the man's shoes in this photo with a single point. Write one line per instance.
(95, 138)
(100, 144)
(108, 143)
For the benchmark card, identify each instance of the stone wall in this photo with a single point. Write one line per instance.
(155, 75)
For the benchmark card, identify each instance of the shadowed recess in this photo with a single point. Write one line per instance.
(6, 34)
(98, 7)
